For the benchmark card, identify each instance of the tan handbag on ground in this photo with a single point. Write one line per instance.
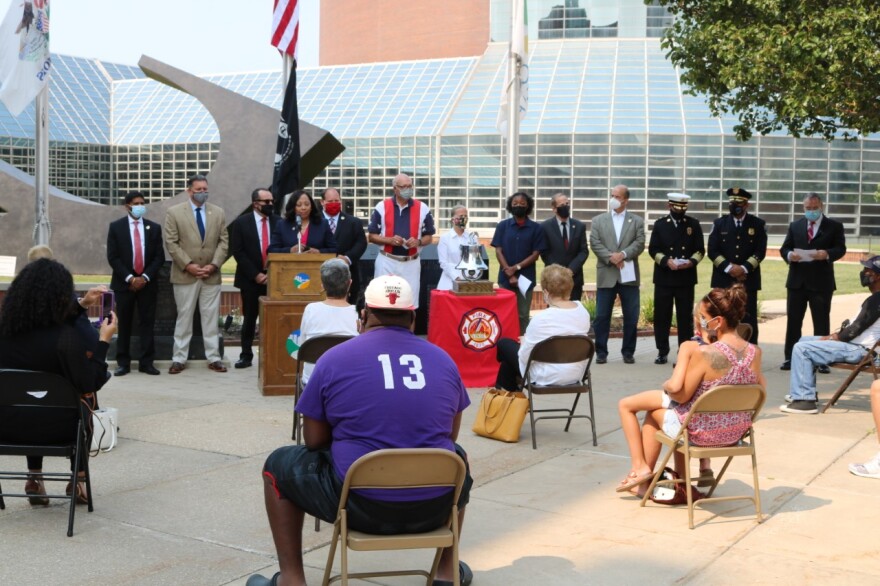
(501, 415)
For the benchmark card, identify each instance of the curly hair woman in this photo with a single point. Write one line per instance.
(312, 229)
(726, 360)
(36, 334)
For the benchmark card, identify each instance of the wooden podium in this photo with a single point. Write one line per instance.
(294, 282)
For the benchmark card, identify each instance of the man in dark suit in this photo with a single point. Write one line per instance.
(566, 240)
(351, 241)
(249, 243)
(134, 251)
(810, 275)
(737, 245)
(676, 246)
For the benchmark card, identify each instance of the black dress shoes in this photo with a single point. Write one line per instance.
(785, 365)
(121, 371)
(661, 359)
(629, 360)
(824, 369)
(148, 369)
(601, 359)
(243, 363)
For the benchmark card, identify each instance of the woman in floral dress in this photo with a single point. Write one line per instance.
(726, 360)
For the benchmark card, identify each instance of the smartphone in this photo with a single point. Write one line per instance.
(108, 304)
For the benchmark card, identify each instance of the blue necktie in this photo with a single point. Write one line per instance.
(200, 223)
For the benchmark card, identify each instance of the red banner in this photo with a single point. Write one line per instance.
(469, 326)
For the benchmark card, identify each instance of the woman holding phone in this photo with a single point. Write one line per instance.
(36, 333)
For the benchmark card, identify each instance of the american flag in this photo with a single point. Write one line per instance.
(285, 26)
(43, 22)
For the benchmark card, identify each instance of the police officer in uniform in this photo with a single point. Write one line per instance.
(676, 246)
(737, 246)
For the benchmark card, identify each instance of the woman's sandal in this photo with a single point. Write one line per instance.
(706, 478)
(632, 480)
(81, 498)
(35, 487)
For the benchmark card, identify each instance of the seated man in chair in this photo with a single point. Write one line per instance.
(386, 388)
(848, 345)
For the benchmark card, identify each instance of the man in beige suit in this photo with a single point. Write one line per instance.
(196, 238)
(617, 238)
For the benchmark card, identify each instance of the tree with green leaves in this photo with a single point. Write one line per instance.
(809, 67)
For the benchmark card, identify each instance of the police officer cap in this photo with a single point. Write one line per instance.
(738, 192)
(678, 198)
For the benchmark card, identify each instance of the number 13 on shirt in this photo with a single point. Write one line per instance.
(412, 379)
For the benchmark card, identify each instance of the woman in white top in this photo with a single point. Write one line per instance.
(334, 315)
(561, 318)
(449, 248)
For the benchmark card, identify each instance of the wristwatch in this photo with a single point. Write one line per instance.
(518, 268)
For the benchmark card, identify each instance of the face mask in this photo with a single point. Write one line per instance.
(520, 211)
(704, 325)
(615, 204)
(735, 208)
(563, 211)
(267, 209)
(333, 208)
(865, 279)
(138, 211)
(406, 193)
(813, 215)
(460, 222)
(677, 215)
(200, 197)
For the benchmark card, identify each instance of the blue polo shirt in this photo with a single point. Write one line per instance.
(518, 242)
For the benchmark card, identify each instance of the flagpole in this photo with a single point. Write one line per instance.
(513, 124)
(42, 227)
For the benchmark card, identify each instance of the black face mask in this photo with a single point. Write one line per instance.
(676, 215)
(267, 209)
(864, 279)
(563, 211)
(735, 208)
(520, 211)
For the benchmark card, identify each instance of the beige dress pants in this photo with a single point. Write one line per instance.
(208, 299)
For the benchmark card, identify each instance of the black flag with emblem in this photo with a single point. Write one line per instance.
(285, 179)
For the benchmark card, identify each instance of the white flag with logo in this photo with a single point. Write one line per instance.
(519, 47)
(24, 53)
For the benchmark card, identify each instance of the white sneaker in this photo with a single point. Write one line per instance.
(870, 469)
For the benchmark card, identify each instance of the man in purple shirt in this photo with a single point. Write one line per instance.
(386, 388)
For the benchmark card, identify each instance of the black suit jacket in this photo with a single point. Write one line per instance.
(285, 236)
(351, 241)
(572, 257)
(744, 246)
(816, 275)
(244, 244)
(119, 251)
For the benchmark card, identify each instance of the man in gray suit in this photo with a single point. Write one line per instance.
(617, 239)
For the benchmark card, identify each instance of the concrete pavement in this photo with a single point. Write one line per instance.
(179, 501)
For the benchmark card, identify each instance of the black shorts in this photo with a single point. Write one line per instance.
(308, 479)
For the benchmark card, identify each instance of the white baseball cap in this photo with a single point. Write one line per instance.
(389, 292)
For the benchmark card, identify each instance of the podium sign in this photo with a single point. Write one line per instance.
(294, 282)
(296, 276)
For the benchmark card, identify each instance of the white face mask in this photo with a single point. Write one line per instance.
(614, 204)
(546, 298)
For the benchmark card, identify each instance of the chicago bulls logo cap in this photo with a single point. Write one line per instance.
(389, 292)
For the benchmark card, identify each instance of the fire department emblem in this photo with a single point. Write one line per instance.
(479, 329)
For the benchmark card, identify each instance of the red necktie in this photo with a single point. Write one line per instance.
(138, 252)
(265, 242)
(810, 231)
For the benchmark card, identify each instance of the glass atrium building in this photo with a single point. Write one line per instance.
(605, 107)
